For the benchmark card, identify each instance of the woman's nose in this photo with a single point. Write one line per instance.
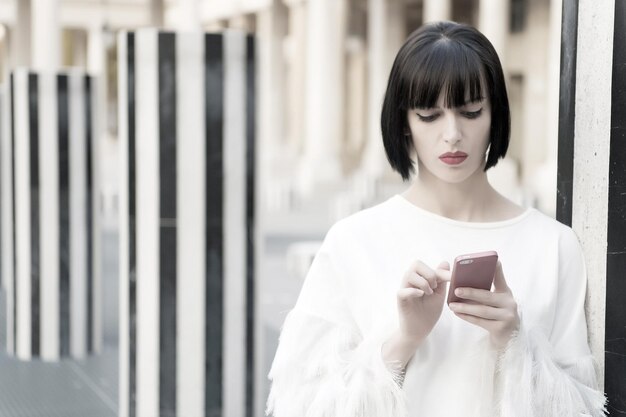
(452, 132)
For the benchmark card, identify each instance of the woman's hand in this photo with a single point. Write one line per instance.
(420, 302)
(420, 299)
(494, 311)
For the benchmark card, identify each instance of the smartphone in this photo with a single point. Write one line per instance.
(474, 270)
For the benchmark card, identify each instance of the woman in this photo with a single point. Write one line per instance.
(371, 334)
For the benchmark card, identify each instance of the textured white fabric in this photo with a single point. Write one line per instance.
(329, 360)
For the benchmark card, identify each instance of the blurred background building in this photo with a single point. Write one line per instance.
(322, 68)
(322, 71)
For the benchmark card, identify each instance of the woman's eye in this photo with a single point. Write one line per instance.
(472, 114)
(428, 118)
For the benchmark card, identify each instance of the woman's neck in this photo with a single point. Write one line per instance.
(473, 200)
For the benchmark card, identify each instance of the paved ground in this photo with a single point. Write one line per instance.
(69, 388)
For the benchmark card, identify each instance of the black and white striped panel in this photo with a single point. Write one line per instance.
(186, 232)
(52, 287)
(592, 172)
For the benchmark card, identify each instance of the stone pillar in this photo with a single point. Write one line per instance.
(356, 100)
(553, 76)
(187, 223)
(536, 142)
(591, 175)
(493, 22)
(6, 210)
(188, 15)
(436, 10)
(271, 29)
(46, 34)
(543, 176)
(326, 28)
(21, 34)
(296, 77)
(51, 192)
(386, 33)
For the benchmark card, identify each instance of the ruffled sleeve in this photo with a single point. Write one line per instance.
(553, 374)
(325, 366)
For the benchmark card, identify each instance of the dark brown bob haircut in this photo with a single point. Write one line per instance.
(443, 58)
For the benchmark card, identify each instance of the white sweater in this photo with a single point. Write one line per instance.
(329, 362)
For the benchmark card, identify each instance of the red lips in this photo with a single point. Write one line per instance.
(453, 158)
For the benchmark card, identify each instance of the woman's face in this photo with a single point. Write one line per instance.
(451, 142)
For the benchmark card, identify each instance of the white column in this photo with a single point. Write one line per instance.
(46, 34)
(544, 176)
(356, 100)
(191, 295)
(22, 203)
(50, 227)
(271, 29)
(147, 225)
(324, 93)
(95, 50)
(538, 177)
(296, 77)
(20, 36)
(493, 22)
(386, 32)
(188, 15)
(554, 66)
(436, 10)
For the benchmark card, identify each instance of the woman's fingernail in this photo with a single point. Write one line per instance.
(458, 292)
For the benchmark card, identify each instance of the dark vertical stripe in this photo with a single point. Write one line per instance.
(567, 105)
(250, 224)
(615, 320)
(89, 209)
(33, 121)
(167, 232)
(64, 214)
(13, 237)
(132, 239)
(214, 85)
